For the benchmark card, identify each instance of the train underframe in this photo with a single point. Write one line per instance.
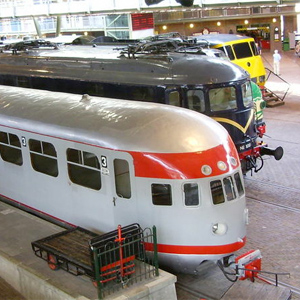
(252, 159)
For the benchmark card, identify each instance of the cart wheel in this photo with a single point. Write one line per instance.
(52, 262)
(94, 283)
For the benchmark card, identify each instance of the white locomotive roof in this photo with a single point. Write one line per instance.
(109, 123)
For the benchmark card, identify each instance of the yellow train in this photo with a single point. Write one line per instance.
(241, 50)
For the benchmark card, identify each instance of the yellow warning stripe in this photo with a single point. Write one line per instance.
(235, 124)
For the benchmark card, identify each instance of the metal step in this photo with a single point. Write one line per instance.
(274, 103)
(271, 99)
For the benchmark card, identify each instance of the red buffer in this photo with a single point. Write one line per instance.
(249, 264)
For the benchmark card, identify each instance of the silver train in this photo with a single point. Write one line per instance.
(98, 162)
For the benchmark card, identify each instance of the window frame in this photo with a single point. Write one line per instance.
(118, 187)
(211, 191)
(76, 170)
(166, 202)
(40, 161)
(185, 198)
(7, 148)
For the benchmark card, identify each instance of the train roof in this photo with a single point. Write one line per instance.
(216, 39)
(109, 123)
(106, 64)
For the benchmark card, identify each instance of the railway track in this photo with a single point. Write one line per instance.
(297, 210)
(273, 194)
(271, 184)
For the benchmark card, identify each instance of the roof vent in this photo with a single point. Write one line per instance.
(85, 98)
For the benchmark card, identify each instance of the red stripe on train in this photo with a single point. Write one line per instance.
(184, 165)
(197, 250)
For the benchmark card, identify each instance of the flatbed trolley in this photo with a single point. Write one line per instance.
(103, 258)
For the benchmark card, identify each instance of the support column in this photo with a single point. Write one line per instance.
(275, 37)
(58, 25)
(37, 27)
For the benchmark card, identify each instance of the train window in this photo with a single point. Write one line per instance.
(10, 148)
(247, 94)
(239, 184)
(254, 48)
(141, 93)
(84, 168)
(122, 178)
(23, 81)
(161, 194)
(191, 194)
(242, 50)
(43, 157)
(222, 98)
(217, 192)
(228, 51)
(196, 100)
(229, 188)
(174, 99)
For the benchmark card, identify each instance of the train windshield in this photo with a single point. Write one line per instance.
(223, 98)
(242, 50)
(247, 94)
(196, 100)
(226, 190)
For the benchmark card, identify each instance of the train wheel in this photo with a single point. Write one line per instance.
(52, 262)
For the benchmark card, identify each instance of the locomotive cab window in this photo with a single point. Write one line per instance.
(229, 188)
(191, 194)
(161, 194)
(217, 192)
(247, 94)
(43, 157)
(254, 48)
(228, 51)
(122, 178)
(196, 100)
(223, 98)
(10, 148)
(174, 99)
(84, 168)
(242, 50)
(239, 184)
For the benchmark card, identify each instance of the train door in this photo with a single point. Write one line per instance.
(123, 191)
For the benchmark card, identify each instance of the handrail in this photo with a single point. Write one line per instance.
(266, 272)
(271, 72)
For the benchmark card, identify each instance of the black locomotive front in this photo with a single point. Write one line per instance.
(231, 104)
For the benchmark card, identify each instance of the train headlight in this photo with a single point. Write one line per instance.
(206, 170)
(219, 228)
(221, 165)
(233, 161)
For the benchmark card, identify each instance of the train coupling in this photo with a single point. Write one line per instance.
(248, 265)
